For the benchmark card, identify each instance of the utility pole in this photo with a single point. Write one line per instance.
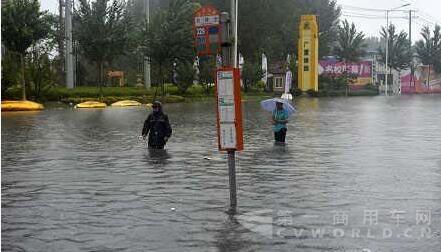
(387, 41)
(410, 48)
(234, 13)
(61, 38)
(69, 54)
(387, 50)
(410, 27)
(231, 153)
(147, 78)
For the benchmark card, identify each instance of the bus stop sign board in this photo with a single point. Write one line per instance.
(206, 31)
(229, 109)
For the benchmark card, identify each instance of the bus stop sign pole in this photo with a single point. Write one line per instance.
(229, 122)
(228, 100)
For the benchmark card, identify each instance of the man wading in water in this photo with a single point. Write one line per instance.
(157, 127)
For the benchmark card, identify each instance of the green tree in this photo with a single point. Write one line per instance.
(207, 68)
(272, 26)
(102, 29)
(350, 43)
(251, 74)
(41, 74)
(185, 76)
(169, 36)
(398, 52)
(23, 25)
(428, 49)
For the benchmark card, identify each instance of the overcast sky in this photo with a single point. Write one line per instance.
(367, 14)
(428, 12)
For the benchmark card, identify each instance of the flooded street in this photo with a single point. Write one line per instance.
(366, 171)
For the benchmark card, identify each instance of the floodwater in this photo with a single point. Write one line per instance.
(357, 174)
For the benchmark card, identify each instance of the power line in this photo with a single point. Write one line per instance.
(370, 9)
(367, 17)
(361, 8)
(426, 20)
(360, 14)
(363, 15)
(430, 17)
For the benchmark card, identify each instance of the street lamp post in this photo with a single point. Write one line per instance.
(387, 50)
(387, 43)
(147, 70)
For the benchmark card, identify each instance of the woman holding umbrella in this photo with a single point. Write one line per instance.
(280, 119)
(281, 110)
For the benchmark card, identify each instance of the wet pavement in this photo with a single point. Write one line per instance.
(357, 174)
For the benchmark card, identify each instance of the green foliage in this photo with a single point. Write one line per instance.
(58, 93)
(186, 74)
(40, 74)
(168, 37)
(40, 71)
(272, 26)
(350, 43)
(373, 43)
(10, 72)
(23, 24)
(207, 67)
(336, 82)
(429, 48)
(251, 74)
(260, 86)
(102, 30)
(399, 53)
(295, 91)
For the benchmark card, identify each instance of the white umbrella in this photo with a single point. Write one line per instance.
(264, 68)
(270, 105)
(241, 61)
(288, 80)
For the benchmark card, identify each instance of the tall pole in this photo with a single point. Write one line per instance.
(231, 153)
(387, 50)
(69, 54)
(410, 49)
(428, 80)
(147, 78)
(236, 7)
(61, 39)
(387, 42)
(410, 28)
(234, 13)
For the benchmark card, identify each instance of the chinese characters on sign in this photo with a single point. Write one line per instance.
(229, 109)
(361, 70)
(206, 28)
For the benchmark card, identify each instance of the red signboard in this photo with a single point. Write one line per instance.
(229, 109)
(362, 69)
(206, 30)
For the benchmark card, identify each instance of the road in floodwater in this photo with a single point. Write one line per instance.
(357, 173)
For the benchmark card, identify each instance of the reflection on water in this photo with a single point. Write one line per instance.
(157, 156)
(80, 180)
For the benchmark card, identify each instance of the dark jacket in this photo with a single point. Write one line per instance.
(157, 127)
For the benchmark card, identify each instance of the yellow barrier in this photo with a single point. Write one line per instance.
(21, 106)
(91, 104)
(126, 103)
